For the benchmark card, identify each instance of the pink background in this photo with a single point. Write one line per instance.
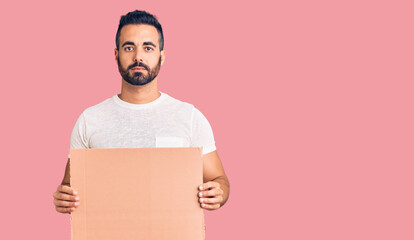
(311, 104)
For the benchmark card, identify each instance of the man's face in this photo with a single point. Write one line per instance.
(139, 57)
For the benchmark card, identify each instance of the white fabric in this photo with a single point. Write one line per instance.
(164, 122)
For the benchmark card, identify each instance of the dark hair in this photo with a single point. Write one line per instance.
(140, 17)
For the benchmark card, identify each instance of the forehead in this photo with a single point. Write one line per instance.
(138, 33)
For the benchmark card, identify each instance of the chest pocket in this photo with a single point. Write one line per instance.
(169, 142)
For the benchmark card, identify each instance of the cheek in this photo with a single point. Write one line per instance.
(123, 62)
(154, 60)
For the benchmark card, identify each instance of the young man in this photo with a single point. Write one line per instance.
(141, 116)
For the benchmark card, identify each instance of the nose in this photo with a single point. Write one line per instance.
(138, 56)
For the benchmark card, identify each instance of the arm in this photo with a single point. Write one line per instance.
(214, 193)
(66, 178)
(66, 199)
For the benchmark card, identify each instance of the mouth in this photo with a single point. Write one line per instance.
(137, 68)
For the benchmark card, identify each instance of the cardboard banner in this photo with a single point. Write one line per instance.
(137, 193)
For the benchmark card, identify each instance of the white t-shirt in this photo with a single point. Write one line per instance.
(164, 122)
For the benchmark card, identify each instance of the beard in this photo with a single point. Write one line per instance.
(139, 78)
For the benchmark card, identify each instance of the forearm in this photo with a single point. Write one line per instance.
(225, 186)
(66, 178)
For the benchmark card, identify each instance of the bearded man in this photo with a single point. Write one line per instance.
(143, 117)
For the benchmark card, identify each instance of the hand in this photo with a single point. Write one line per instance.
(210, 195)
(65, 199)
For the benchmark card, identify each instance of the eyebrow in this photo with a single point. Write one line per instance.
(128, 43)
(133, 44)
(150, 43)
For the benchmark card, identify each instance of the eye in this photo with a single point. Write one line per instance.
(129, 49)
(148, 49)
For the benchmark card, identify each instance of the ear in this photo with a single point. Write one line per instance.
(162, 56)
(116, 54)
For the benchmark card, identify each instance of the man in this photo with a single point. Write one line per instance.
(141, 116)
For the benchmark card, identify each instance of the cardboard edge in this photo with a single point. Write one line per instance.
(74, 152)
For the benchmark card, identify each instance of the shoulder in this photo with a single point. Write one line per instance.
(99, 108)
(195, 113)
(177, 105)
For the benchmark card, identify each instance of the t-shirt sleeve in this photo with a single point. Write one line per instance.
(202, 134)
(78, 138)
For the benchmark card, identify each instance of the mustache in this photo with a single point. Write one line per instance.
(139, 64)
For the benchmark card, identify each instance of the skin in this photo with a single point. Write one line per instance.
(144, 47)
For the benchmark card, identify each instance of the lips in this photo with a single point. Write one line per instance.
(137, 68)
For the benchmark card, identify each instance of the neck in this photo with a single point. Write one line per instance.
(139, 94)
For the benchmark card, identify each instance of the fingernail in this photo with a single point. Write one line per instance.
(77, 198)
(76, 203)
(200, 194)
(75, 192)
(201, 200)
(201, 187)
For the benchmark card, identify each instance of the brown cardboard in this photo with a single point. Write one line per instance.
(141, 193)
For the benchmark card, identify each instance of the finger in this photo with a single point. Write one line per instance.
(210, 206)
(65, 210)
(59, 203)
(215, 200)
(208, 185)
(67, 189)
(66, 197)
(211, 193)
